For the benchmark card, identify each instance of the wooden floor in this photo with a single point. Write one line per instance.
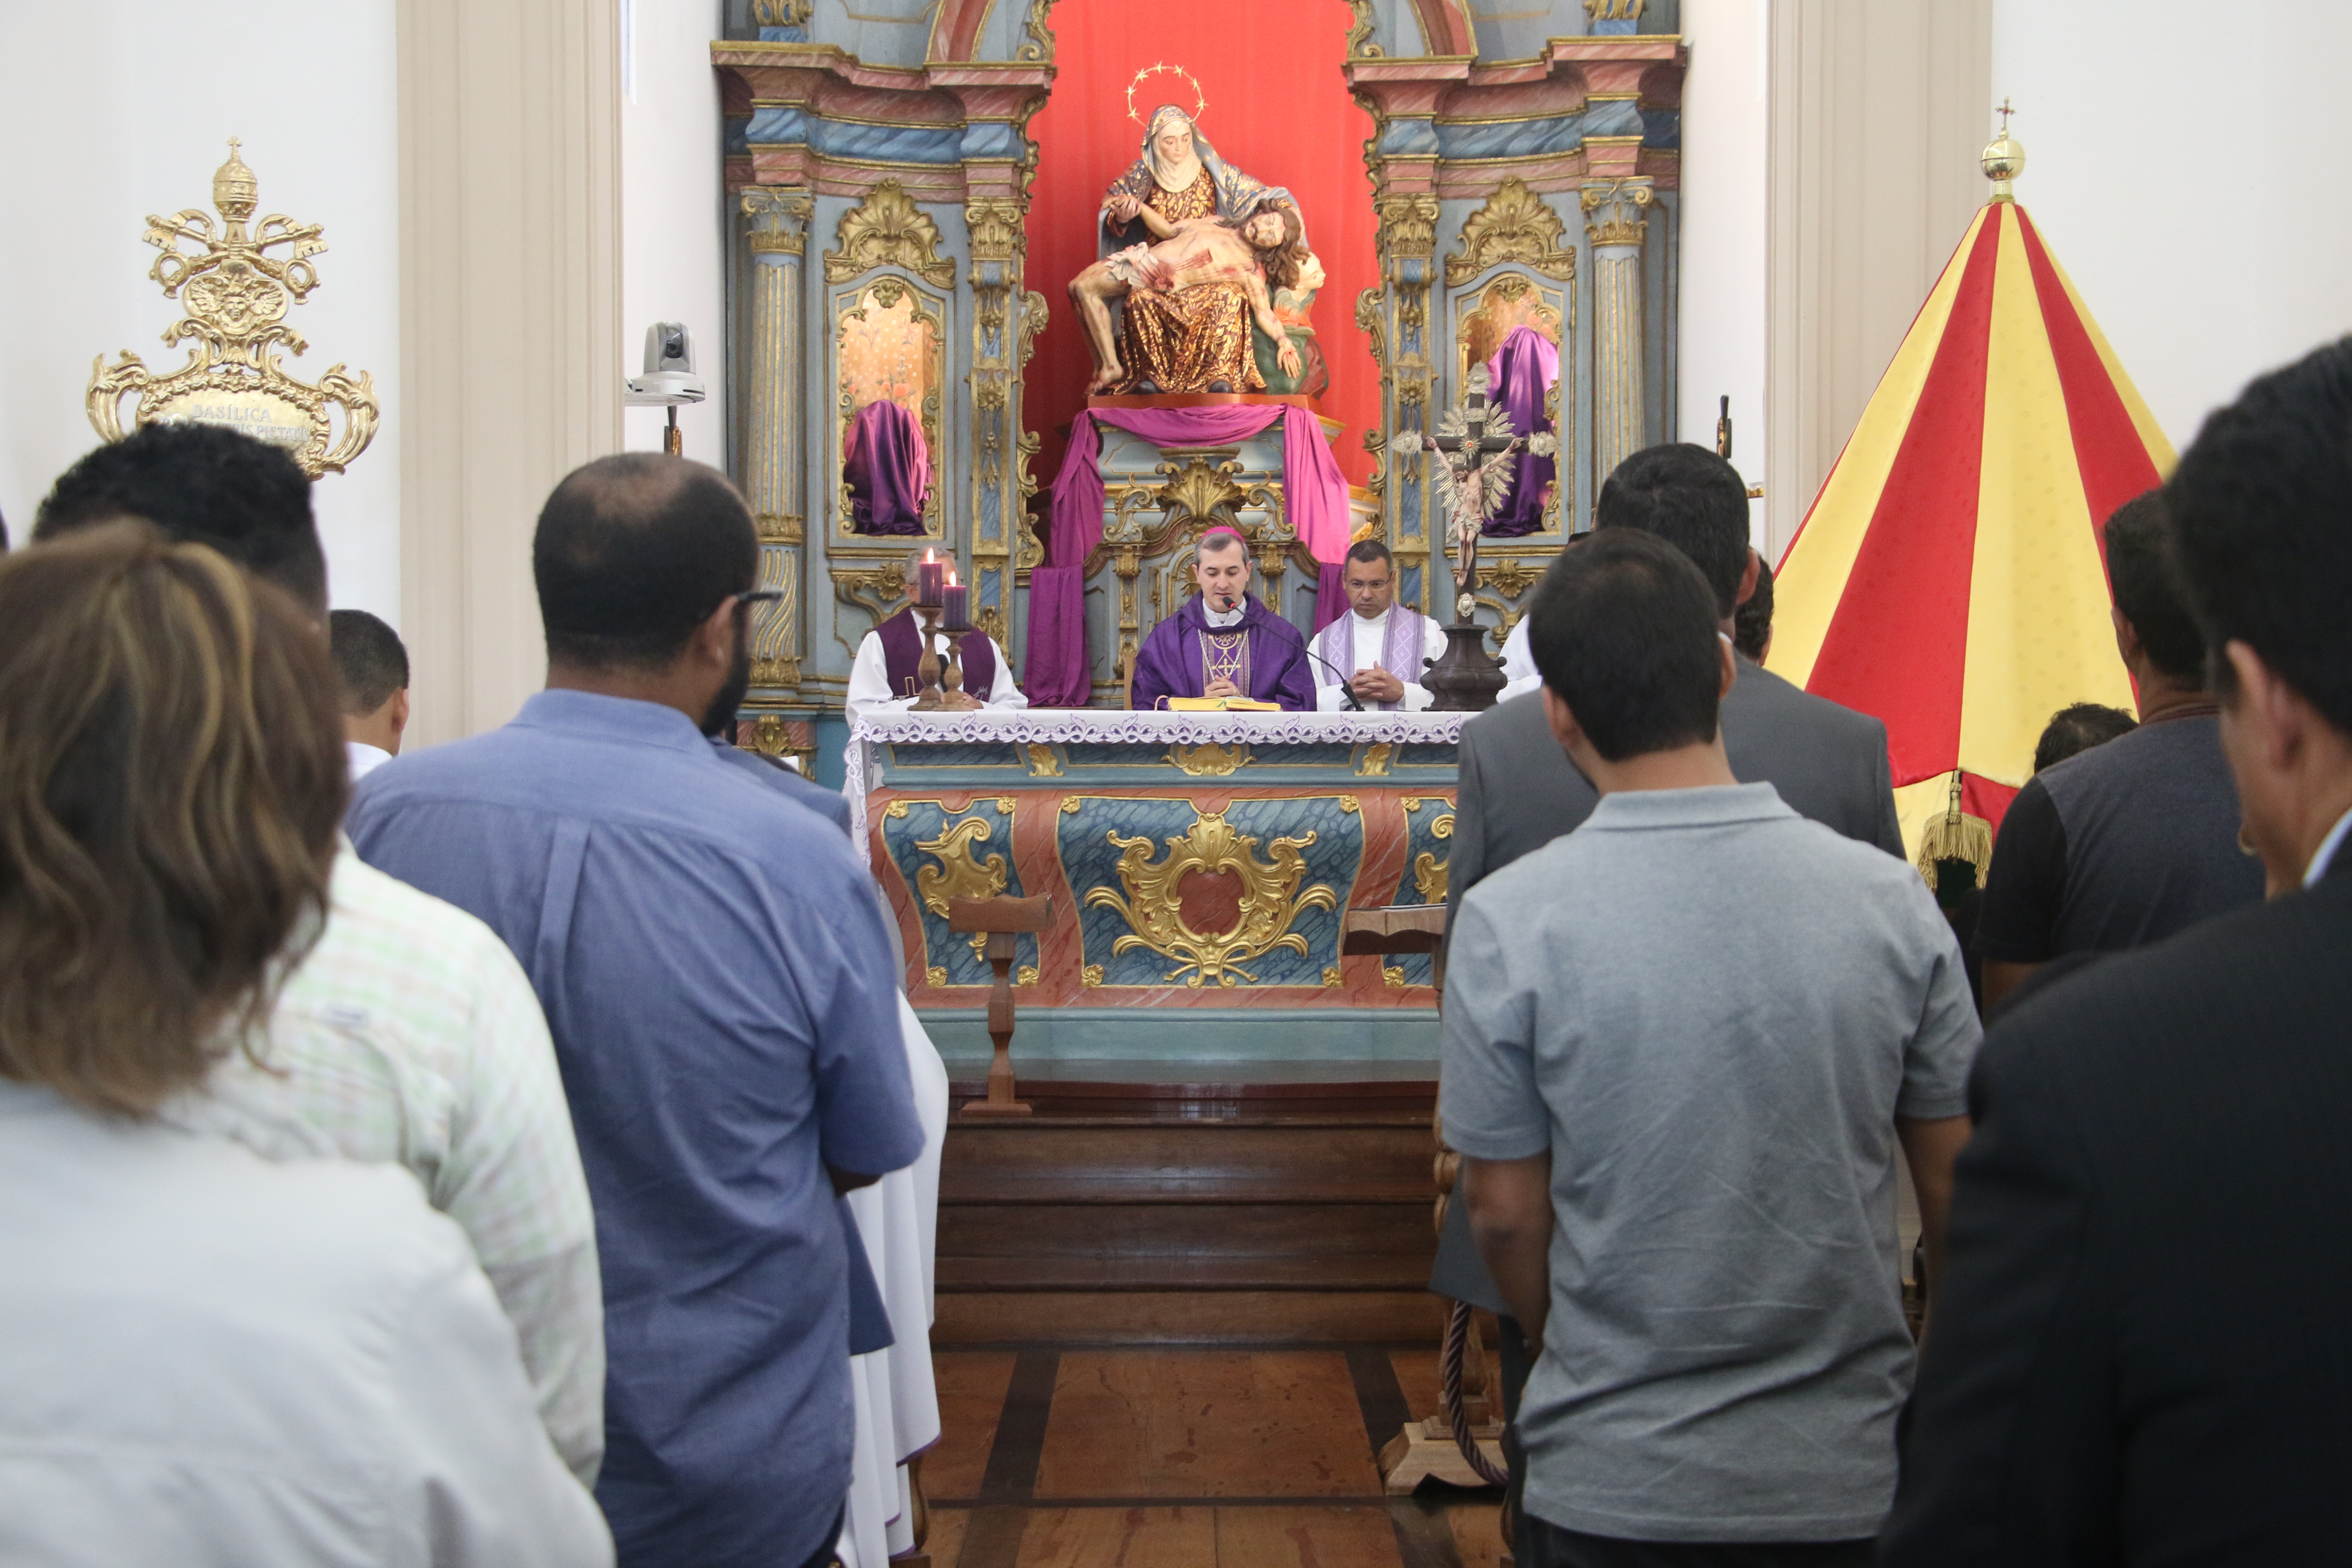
(1234, 1457)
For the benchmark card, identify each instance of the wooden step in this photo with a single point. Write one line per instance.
(1117, 1230)
(1184, 1317)
(1199, 1161)
(1328, 1270)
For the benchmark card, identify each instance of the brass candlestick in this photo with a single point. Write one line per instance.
(953, 696)
(930, 699)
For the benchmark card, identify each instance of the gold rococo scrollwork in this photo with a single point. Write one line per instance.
(236, 296)
(1271, 899)
(1428, 870)
(888, 229)
(1516, 225)
(961, 874)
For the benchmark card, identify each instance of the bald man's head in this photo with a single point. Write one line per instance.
(633, 552)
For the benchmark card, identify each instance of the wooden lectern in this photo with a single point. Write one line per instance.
(1002, 920)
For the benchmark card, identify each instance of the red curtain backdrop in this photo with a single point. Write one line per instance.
(1278, 110)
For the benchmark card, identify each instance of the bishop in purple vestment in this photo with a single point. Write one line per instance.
(1224, 643)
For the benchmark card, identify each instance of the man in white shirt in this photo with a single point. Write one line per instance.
(1379, 648)
(884, 676)
(372, 666)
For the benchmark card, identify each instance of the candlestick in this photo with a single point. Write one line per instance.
(955, 612)
(930, 574)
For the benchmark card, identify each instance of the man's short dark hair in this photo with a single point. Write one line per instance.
(1624, 629)
(2139, 572)
(369, 661)
(2261, 511)
(633, 552)
(2074, 729)
(1694, 500)
(1751, 623)
(1368, 551)
(201, 484)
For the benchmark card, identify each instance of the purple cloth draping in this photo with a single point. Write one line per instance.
(1314, 492)
(1330, 591)
(888, 467)
(1519, 378)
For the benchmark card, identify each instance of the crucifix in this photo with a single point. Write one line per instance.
(1483, 446)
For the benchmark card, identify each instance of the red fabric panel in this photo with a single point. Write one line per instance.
(1898, 647)
(2114, 462)
(1278, 110)
(1986, 798)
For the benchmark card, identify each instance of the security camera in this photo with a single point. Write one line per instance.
(669, 379)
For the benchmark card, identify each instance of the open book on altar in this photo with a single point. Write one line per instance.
(1219, 705)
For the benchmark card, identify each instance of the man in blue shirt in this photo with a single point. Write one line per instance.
(716, 978)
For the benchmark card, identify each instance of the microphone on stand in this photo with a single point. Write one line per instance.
(1346, 690)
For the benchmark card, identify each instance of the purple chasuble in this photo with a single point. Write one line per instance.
(902, 657)
(1170, 662)
(1400, 653)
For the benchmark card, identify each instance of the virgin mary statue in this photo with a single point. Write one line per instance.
(1195, 339)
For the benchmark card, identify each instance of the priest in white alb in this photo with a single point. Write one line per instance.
(1378, 650)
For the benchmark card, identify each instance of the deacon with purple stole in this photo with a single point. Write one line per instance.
(885, 674)
(1224, 643)
(1377, 650)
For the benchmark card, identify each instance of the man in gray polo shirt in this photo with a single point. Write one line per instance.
(1681, 1045)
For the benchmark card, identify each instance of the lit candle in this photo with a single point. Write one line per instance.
(929, 574)
(957, 598)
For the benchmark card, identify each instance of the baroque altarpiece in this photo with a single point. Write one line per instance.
(1523, 170)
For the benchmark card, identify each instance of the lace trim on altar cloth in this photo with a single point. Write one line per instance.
(1114, 726)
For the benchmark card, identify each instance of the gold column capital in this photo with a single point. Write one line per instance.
(775, 220)
(1615, 210)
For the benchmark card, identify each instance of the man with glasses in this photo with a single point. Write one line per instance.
(718, 980)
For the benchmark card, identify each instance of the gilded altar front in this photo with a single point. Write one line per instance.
(1200, 865)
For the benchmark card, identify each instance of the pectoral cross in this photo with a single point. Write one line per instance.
(1474, 440)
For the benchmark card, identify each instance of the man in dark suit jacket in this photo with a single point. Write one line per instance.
(2138, 1352)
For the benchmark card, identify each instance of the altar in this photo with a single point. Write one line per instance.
(1199, 865)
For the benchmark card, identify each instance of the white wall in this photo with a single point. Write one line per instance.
(1726, 129)
(672, 216)
(2187, 166)
(110, 113)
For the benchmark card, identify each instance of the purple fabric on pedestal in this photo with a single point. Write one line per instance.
(1314, 492)
(887, 467)
(1519, 378)
(1169, 663)
(1330, 591)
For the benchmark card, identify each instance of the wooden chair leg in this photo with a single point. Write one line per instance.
(1000, 1100)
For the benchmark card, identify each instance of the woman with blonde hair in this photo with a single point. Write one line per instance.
(208, 1358)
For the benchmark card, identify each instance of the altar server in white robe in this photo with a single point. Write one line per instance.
(1378, 647)
(883, 677)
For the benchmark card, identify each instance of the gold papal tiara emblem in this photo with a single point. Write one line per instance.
(1157, 68)
(236, 296)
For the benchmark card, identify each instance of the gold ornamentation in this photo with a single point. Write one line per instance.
(1516, 225)
(1004, 807)
(1071, 804)
(776, 220)
(897, 808)
(888, 229)
(890, 318)
(780, 669)
(1200, 104)
(1627, 201)
(1211, 760)
(770, 735)
(236, 296)
(959, 874)
(1091, 977)
(1026, 975)
(1332, 979)
(1510, 576)
(1408, 225)
(1044, 763)
(1271, 899)
(1359, 36)
(1350, 805)
(1615, 10)
(1376, 759)
(935, 977)
(1040, 45)
(994, 225)
(1412, 804)
(1393, 978)
(877, 590)
(780, 527)
(781, 13)
(1428, 870)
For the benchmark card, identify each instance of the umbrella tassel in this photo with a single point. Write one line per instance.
(1955, 835)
